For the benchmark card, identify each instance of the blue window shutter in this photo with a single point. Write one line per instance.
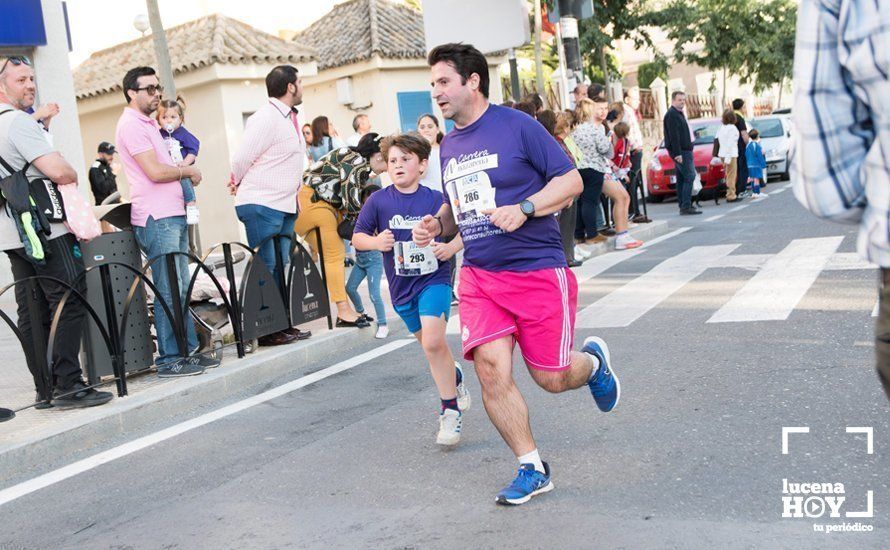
(411, 106)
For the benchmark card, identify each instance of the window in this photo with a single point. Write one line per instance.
(411, 106)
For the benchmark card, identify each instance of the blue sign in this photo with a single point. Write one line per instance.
(21, 24)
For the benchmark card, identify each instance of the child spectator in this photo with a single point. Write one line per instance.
(726, 148)
(756, 163)
(183, 148)
(621, 155)
(368, 263)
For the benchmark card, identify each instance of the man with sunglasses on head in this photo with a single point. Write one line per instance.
(23, 146)
(158, 215)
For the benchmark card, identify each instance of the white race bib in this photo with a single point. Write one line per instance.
(471, 195)
(412, 260)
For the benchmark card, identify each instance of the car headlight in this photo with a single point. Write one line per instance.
(655, 164)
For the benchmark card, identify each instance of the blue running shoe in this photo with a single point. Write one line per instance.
(528, 483)
(604, 384)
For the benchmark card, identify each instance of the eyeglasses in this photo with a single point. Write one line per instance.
(152, 89)
(15, 60)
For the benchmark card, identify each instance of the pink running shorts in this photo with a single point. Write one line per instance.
(536, 307)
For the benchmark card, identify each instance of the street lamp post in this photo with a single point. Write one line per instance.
(162, 53)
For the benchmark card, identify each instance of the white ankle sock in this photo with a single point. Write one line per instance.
(532, 458)
(596, 365)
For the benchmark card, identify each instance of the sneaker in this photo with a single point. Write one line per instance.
(204, 361)
(599, 238)
(366, 317)
(604, 385)
(582, 253)
(179, 368)
(625, 242)
(528, 483)
(79, 396)
(191, 214)
(463, 394)
(449, 427)
(382, 332)
(41, 405)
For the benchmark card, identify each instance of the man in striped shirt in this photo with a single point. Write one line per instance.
(267, 171)
(841, 162)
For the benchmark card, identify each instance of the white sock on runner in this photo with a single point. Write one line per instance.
(596, 364)
(532, 458)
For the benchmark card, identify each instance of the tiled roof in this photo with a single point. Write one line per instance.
(192, 45)
(358, 29)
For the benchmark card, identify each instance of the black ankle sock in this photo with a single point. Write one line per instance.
(450, 404)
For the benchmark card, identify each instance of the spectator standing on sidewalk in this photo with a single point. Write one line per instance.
(678, 142)
(361, 123)
(559, 130)
(727, 150)
(324, 138)
(267, 170)
(158, 215)
(632, 118)
(596, 148)
(103, 182)
(841, 166)
(741, 187)
(23, 146)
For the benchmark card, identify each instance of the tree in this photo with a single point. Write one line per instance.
(752, 39)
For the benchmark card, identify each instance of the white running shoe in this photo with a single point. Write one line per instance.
(463, 394)
(624, 242)
(582, 253)
(382, 332)
(449, 427)
(191, 214)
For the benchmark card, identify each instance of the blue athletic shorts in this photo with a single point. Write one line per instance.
(433, 301)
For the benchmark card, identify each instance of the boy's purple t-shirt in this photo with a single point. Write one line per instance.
(188, 143)
(513, 154)
(399, 212)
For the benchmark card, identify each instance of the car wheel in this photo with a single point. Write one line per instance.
(655, 198)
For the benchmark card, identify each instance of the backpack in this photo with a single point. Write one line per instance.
(338, 178)
(30, 221)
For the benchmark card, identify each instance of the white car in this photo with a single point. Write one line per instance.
(775, 139)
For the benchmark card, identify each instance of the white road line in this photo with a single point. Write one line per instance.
(737, 208)
(774, 292)
(627, 304)
(777, 191)
(592, 267)
(50, 478)
(874, 312)
(713, 218)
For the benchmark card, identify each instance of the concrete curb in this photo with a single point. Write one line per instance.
(96, 426)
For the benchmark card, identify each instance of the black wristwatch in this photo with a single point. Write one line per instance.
(528, 208)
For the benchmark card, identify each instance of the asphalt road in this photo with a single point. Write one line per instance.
(691, 457)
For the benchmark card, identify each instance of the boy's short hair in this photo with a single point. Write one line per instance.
(753, 134)
(621, 130)
(409, 141)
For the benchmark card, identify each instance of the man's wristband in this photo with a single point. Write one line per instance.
(441, 227)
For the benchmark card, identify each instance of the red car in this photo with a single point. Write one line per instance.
(662, 177)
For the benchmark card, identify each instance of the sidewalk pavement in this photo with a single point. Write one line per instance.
(39, 437)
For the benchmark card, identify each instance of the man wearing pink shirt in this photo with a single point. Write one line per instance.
(267, 171)
(158, 213)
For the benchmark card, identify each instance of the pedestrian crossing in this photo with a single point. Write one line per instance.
(777, 286)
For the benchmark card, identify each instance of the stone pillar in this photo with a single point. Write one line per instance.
(659, 93)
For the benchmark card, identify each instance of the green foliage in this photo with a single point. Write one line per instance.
(753, 39)
(647, 72)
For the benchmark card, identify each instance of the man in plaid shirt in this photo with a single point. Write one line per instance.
(841, 165)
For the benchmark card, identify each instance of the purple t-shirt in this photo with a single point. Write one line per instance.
(501, 159)
(188, 143)
(399, 212)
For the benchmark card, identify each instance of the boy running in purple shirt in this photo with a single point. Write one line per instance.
(419, 284)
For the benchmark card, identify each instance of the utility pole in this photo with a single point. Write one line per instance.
(568, 26)
(162, 53)
(514, 77)
(539, 62)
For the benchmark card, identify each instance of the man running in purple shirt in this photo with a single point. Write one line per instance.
(504, 178)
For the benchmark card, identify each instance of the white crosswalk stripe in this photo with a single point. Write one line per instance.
(780, 284)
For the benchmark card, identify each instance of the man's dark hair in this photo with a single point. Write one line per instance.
(465, 59)
(278, 79)
(131, 79)
(526, 107)
(738, 103)
(596, 90)
(675, 93)
(535, 99)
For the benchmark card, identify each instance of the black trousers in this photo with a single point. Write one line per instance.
(741, 180)
(568, 217)
(636, 161)
(64, 262)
